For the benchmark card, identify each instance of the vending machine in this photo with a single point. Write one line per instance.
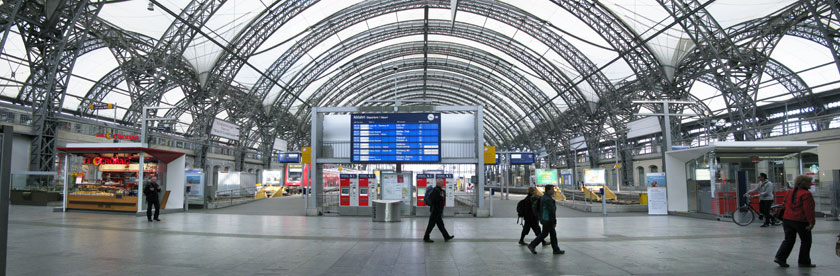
(448, 186)
(424, 181)
(367, 186)
(346, 183)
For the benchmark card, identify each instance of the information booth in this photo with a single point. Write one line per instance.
(713, 179)
(107, 176)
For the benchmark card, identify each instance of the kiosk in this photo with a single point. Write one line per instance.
(108, 176)
(711, 179)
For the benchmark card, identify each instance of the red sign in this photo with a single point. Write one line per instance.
(109, 136)
(756, 159)
(96, 161)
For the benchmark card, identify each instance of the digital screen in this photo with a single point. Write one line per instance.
(288, 157)
(702, 174)
(395, 138)
(522, 158)
(546, 177)
(594, 177)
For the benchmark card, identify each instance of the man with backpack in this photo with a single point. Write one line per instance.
(524, 209)
(435, 200)
(547, 212)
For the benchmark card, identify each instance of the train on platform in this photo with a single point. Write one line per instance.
(297, 178)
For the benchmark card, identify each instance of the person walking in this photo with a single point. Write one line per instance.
(437, 200)
(798, 218)
(525, 211)
(547, 216)
(151, 192)
(766, 197)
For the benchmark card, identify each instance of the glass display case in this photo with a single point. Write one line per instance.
(36, 188)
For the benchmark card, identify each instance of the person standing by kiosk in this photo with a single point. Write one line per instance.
(152, 192)
(437, 200)
(766, 197)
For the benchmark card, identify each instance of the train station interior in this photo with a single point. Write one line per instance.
(301, 137)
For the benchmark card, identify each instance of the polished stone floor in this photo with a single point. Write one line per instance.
(206, 243)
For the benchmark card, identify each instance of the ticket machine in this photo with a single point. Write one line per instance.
(424, 181)
(449, 186)
(347, 185)
(367, 183)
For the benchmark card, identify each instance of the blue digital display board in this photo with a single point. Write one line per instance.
(522, 158)
(395, 138)
(288, 157)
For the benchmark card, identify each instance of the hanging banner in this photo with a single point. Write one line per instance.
(657, 194)
(225, 129)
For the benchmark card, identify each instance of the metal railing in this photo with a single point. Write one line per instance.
(228, 198)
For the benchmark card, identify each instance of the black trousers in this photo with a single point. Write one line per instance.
(792, 228)
(764, 208)
(548, 229)
(435, 219)
(528, 226)
(149, 204)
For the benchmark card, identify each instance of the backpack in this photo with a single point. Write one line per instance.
(536, 206)
(427, 199)
(523, 207)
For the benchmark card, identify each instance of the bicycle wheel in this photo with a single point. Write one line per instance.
(743, 216)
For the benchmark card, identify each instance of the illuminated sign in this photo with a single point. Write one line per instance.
(96, 161)
(109, 136)
(100, 106)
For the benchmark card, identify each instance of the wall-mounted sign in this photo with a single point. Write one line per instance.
(109, 136)
(225, 129)
(288, 157)
(96, 161)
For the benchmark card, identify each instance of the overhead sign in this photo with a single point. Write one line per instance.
(109, 136)
(522, 158)
(306, 155)
(489, 155)
(546, 177)
(225, 129)
(100, 106)
(288, 157)
(395, 137)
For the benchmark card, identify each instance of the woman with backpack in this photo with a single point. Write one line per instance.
(524, 210)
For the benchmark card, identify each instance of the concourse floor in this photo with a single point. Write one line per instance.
(42, 242)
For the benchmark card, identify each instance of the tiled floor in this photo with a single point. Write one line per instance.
(205, 243)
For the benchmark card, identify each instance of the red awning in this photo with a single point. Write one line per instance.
(162, 155)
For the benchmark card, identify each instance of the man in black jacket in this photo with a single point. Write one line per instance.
(547, 216)
(151, 191)
(438, 199)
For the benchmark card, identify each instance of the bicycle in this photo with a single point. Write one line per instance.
(745, 214)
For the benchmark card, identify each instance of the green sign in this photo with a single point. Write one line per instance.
(546, 177)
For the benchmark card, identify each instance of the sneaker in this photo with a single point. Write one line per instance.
(522, 243)
(531, 248)
(428, 240)
(559, 252)
(157, 219)
(781, 263)
(449, 238)
(807, 265)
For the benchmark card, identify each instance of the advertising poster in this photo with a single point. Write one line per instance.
(655, 180)
(595, 177)
(546, 177)
(566, 177)
(657, 194)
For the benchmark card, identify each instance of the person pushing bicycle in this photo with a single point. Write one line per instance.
(766, 197)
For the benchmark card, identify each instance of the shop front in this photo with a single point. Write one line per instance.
(108, 177)
(713, 179)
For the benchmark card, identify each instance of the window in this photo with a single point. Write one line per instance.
(654, 169)
(641, 172)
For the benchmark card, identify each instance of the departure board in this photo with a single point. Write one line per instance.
(395, 138)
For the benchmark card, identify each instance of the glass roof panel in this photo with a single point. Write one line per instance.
(813, 62)
(14, 69)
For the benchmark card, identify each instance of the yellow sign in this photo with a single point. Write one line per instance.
(489, 155)
(339, 168)
(618, 165)
(306, 155)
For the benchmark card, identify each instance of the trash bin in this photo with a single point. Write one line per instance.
(386, 210)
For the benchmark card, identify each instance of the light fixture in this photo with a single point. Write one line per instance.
(151, 6)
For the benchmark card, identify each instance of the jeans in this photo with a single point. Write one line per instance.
(792, 228)
(548, 229)
(149, 204)
(764, 208)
